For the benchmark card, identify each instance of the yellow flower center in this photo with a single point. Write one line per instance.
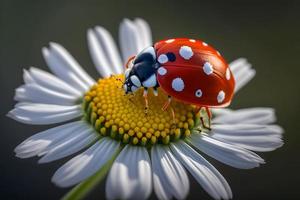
(123, 117)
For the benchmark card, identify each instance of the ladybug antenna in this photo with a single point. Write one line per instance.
(118, 79)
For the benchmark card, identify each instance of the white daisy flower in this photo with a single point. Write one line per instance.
(139, 152)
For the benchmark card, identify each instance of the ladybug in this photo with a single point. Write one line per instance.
(188, 70)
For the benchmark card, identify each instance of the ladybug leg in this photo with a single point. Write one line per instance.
(209, 116)
(145, 95)
(167, 104)
(155, 92)
(173, 115)
(209, 119)
(197, 109)
(129, 62)
(201, 118)
(203, 124)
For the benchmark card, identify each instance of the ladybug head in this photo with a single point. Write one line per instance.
(131, 84)
(139, 68)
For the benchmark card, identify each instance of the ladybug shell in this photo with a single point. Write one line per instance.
(193, 72)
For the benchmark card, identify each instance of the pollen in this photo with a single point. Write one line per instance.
(122, 116)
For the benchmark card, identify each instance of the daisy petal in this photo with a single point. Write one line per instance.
(206, 175)
(130, 40)
(98, 55)
(226, 153)
(74, 142)
(144, 31)
(37, 143)
(247, 116)
(50, 82)
(244, 79)
(169, 177)
(85, 164)
(237, 65)
(247, 129)
(250, 136)
(34, 113)
(27, 77)
(66, 67)
(130, 175)
(38, 94)
(104, 52)
(242, 72)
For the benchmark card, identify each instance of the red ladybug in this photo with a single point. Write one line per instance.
(186, 69)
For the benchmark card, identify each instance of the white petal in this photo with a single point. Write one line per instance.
(226, 153)
(130, 175)
(130, 39)
(34, 113)
(237, 64)
(206, 175)
(98, 56)
(85, 164)
(21, 96)
(51, 82)
(247, 116)
(242, 72)
(72, 143)
(144, 31)
(247, 129)
(37, 143)
(70, 63)
(244, 79)
(220, 111)
(66, 67)
(104, 52)
(169, 177)
(38, 94)
(27, 77)
(250, 136)
(110, 47)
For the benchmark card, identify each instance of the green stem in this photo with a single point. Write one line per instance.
(82, 190)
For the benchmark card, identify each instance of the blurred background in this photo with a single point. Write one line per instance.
(267, 33)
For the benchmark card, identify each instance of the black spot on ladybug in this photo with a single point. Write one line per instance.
(171, 56)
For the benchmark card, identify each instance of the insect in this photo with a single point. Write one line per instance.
(188, 70)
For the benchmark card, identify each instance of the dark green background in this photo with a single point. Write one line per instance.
(267, 33)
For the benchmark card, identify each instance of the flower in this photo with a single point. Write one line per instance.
(139, 152)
